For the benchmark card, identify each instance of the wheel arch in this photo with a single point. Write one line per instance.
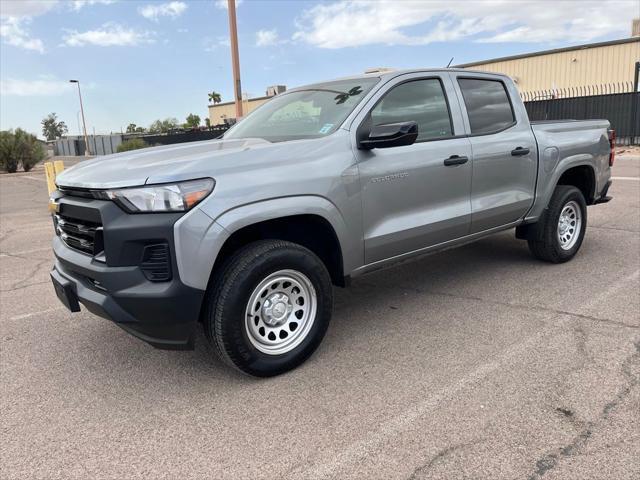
(582, 177)
(312, 222)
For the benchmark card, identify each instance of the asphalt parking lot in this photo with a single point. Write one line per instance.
(479, 362)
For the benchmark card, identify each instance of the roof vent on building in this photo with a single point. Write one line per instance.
(274, 90)
(379, 70)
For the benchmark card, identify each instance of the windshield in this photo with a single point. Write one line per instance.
(315, 111)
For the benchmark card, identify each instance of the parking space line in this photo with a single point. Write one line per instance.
(29, 177)
(351, 454)
(630, 179)
(34, 314)
(24, 252)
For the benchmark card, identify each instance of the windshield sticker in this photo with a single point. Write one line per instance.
(325, 128)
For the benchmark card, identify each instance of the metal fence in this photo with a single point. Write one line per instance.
(192, 136)
(107, 144)
(617, 103)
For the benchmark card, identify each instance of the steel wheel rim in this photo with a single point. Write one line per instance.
(569, 225)
(280, 312)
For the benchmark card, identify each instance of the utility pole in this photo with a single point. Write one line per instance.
(84, 125)
(235, 58)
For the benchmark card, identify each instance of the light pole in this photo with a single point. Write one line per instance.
(235, 58)
(84, 125)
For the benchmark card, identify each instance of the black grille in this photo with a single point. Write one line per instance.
(156, 264)
(79, 234)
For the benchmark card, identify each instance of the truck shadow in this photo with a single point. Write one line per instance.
(487, 258)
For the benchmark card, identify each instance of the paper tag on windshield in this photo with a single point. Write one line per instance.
(325, 128)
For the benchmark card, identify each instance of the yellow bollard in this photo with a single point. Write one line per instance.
(52, 170)
(58, 166)
(50, 173)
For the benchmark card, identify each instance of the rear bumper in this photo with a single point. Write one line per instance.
(162, 314)
(604, 198)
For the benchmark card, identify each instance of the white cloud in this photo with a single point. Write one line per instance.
(211, 45)
(109, 35)
(15, 15)
(78, 4)
(13, 32)
(30, 88)
(170, 9)
(351, 23)
(223, 4)
(26, 8)
(265, 38)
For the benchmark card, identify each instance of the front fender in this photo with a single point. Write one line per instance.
(249, 214)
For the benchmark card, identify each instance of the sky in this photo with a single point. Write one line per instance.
(138, 61)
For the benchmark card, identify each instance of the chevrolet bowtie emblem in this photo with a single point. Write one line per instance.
(54, 207)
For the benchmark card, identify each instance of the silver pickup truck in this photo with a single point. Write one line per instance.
(246, 234)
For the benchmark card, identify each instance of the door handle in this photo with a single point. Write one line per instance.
(518, 152)
(455, 160)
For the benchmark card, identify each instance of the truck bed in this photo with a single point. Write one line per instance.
(569, 142)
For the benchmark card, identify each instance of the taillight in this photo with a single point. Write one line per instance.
(612, 145)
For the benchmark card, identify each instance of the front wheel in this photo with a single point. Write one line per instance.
(269, 307)
(558, 235)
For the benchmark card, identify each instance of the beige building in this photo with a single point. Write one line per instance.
(596, 64)
(225, 112)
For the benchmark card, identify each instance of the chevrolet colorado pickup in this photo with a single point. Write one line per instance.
(246, 234)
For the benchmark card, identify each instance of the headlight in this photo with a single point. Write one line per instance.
(169, 197)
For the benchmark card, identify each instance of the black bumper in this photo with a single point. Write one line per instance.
(116, 287)
(604, 198)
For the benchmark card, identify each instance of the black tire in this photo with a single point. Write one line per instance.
(543, 239)
(231, 289)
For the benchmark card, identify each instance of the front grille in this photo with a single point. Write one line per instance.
(78, 234)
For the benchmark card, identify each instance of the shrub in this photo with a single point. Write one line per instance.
(132, 144)
(8, 160)
(19, 147)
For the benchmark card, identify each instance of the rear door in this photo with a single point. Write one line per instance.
(504, 151)
(411, 199)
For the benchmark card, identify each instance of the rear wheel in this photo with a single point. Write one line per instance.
(558, 235)
(269, 307)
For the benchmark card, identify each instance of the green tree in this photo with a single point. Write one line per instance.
(214, 97)
(193, 121)
(163, 126)
(156, 127)
(52, 128)
(131, 128)
(207, 122)
(132, 144)
(19, 147)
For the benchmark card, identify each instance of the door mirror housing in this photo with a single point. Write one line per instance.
(390, 135)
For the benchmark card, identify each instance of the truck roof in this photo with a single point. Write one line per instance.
(389, 74)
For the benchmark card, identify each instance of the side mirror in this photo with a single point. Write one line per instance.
(390, 135)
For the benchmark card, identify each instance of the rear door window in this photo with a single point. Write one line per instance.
(488, 105)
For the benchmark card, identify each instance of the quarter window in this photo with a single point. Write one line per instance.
(488, 105)
(422, 101)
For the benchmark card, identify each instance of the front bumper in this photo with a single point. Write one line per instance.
(114, 286)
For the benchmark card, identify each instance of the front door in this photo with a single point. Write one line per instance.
(418, 195)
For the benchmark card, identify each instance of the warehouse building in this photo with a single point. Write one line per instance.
(225, 113)
(609, 67)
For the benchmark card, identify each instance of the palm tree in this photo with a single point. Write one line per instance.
(214, 97)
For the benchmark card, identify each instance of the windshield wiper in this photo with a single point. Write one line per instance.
(341, 97)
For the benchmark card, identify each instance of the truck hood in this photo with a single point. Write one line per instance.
(165, 164)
